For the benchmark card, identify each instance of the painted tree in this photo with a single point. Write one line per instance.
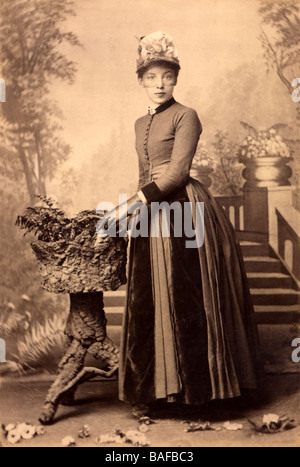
(32, 37)
(227, 177)
(280, 39)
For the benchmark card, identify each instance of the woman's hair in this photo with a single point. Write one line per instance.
(158, 62)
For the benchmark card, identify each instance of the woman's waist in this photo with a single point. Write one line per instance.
(179, 194)
(158, 170)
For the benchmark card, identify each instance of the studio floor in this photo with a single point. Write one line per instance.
(97, 405)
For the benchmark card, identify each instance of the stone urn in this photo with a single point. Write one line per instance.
(268, 171)
(202, 174)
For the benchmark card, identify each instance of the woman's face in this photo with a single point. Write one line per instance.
(159, 82)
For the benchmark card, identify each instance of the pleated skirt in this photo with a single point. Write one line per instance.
(189, 331)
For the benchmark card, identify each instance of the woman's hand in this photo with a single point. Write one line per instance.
(117, 220)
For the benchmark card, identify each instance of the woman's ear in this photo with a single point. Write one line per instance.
(141, 82)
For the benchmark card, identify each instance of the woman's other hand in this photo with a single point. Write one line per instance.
(116, 221)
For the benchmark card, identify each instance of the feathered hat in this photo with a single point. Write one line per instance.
(155, 48)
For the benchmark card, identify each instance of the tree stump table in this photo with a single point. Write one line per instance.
(71, 261)
(86, 330)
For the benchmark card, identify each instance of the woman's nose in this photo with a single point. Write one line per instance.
(160, 83)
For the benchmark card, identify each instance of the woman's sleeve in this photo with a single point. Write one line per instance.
(188, 131)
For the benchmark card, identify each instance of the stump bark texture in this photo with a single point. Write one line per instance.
(86, 329)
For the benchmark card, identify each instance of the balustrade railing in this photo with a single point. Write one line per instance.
(289, 240)
(234, 208)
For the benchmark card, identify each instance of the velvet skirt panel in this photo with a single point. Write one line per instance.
(189, 331)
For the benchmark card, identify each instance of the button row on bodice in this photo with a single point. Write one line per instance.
(147, 137)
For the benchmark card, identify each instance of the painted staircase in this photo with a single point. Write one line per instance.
(275, 294)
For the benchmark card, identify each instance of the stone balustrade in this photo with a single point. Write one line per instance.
(288, 227)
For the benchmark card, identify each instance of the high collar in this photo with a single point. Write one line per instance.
(162, 107)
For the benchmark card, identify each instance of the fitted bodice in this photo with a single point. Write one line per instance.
(166, 143)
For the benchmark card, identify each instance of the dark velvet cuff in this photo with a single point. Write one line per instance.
(152, 193)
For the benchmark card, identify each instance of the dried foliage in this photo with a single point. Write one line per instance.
(68, 258)
(193, 427)
(273, 424)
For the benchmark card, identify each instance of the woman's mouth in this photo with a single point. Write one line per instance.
(160, 94)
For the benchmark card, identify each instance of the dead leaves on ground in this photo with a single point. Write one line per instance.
(273, 424)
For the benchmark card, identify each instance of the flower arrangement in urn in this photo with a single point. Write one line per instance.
(202, 165)
(265, 154)
(264, 143)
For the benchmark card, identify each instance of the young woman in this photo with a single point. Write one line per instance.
(189, 331)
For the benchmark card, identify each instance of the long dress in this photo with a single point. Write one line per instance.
(189, 331)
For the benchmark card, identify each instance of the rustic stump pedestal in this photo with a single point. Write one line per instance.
(86, 330)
